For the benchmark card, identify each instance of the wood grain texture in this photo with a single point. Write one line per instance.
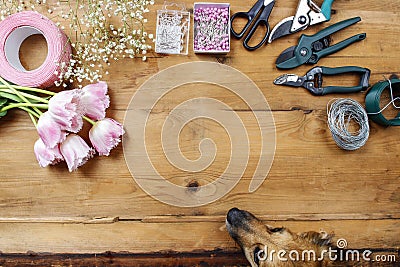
(199, 259)
(312, 184)
(179, 235)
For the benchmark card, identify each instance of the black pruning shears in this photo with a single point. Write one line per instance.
(308, 13)
(311, 48)
(255, 18)
(313, 80)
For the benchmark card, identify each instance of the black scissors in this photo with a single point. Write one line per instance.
(266, 7)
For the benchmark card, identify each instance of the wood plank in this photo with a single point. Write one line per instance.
(200, 259)
(303, 177)
(139, 237)
(214, 258)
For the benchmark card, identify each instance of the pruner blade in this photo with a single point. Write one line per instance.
(281, 29)
(290, 80)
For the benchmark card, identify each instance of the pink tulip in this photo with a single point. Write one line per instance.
(50, 131)
(75, 151)
(47, 156)
(66, 109)
(95, 100)
(105, 135)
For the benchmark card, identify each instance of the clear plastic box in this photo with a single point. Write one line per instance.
(200, 28)
(172, 32)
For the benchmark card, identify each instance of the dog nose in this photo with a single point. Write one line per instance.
(233, 215)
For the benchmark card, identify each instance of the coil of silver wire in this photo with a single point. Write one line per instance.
(343, 113)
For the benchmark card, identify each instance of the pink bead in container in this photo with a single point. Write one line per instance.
(211, 28)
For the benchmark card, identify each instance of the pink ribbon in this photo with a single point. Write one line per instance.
(17, 28)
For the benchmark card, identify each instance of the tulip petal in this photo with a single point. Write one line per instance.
(50, 131)
(105, 135)
(67, 110)
(95, 100)
(75, 151)
(45, 155)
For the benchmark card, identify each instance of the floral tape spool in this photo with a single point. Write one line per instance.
(14, 30)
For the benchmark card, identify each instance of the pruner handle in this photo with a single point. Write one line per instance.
(341, 70)
(334, 28)
(363, 85)
(326, 8)
(336, 47)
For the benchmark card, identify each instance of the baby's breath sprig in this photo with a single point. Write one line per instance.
(100, 31)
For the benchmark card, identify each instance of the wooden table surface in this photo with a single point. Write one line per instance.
(312, 185)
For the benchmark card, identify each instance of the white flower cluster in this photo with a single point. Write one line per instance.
(100, 31)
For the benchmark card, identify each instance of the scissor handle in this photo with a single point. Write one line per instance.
(261, 20)
(252, 31)
(245, 15)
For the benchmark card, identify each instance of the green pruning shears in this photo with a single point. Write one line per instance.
(313, 80)
(308, 13)
(311, 48)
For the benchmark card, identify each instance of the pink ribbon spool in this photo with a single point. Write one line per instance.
(14, 30)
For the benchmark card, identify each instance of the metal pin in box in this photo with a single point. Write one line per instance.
(172, 33)
(211, 28)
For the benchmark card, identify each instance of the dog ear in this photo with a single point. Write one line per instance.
(320, 239)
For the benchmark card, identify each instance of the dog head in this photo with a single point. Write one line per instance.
(258, 240)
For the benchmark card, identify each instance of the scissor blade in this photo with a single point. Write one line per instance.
(267, 2)
(289, 79)
(281, 29)
(286, 54)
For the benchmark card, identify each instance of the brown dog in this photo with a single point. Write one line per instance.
(264, 245)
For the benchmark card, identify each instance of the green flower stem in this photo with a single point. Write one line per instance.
(23, 88)
(18, 105)
(89, 120)
(30, 112)
(33, 119)
(18, 94)
(30, 96)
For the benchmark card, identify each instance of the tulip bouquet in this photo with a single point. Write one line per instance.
(59, 118)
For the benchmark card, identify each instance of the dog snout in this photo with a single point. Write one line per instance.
(233, 215)
(237, 217)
